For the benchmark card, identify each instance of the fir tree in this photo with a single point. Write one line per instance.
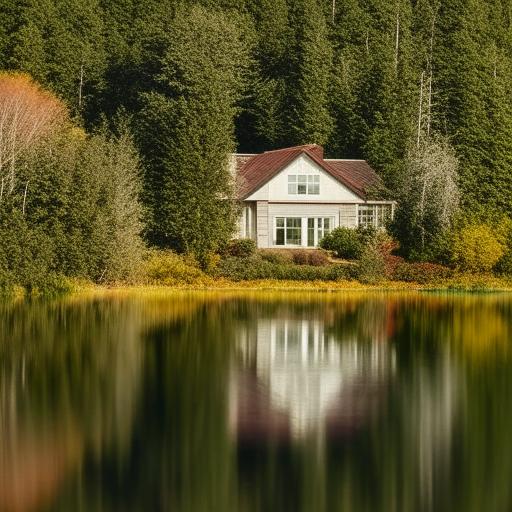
(308, 117)
(188, 185)
(60, 42)
(261, 124)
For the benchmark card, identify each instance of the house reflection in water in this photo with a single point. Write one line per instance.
(295, 380)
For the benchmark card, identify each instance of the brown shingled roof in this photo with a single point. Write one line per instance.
(254, 171)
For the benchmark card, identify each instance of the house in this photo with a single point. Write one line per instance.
(293, 197)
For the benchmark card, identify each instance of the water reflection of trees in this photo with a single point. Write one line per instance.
(205, 402)
(70, 383)
(432, 438)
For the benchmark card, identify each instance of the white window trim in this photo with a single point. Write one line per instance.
(307, 175)
(304, 230)
(375, 204)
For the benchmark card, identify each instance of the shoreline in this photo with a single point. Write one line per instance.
(495, 285)
(464, 284)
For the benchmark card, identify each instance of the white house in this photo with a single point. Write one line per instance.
(293, 197)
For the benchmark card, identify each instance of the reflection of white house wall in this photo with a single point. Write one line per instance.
(306, 369)
(432, 406)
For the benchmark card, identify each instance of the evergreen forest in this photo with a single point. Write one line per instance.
(158, 93)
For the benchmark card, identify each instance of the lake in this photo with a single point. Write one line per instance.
(209, 401)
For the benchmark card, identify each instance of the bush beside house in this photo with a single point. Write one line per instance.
(478, 247)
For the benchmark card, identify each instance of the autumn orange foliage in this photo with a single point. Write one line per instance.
(28, 114)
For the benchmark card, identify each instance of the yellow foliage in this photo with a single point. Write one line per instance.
(477, 247)
(170, 269)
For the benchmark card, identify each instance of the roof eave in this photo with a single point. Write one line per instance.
(320, 163)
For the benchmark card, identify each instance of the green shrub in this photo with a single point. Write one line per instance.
(168, 268)
(421, 272)
(244, 269)
(371, 268)
(241, 247)
(344, 242)
(368, 234)
(333, 272)
(478, 247)
(504, 266)
(349, 243)
(53, 285)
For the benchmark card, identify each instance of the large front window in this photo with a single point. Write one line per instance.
(304, 184)
(303, 231)
(288, 231)
(374, 215)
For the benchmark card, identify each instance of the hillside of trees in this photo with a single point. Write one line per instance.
(419, 88)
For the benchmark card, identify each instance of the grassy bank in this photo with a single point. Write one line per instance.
(271, 271)
(468, 283)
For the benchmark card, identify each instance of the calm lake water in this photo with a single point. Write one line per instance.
(252, 402)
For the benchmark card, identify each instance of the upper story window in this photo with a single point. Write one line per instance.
(304, 184)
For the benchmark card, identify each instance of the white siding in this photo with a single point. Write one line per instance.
(277, 188)
(262, 232)
(262, 215)
(247, 222)
(348, 215)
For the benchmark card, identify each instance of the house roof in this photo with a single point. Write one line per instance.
(253, 171)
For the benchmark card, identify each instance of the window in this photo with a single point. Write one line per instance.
(318, 227)
(311, 232)
(375, 215)
(288, 231)
(303, 184)
(303, 231)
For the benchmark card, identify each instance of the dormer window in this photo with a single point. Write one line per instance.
(304, 184)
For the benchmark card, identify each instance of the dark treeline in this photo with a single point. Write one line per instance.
(343, 73)
(392, 82)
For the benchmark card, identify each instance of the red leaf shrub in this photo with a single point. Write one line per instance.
(421, 272)
(391, 263)
(277, 256)
(314, 257)
(317, 258)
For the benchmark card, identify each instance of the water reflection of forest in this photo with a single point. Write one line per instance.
(304, 403)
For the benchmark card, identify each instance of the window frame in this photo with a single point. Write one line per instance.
(376, 215)
(285, 228)
(311, 229)
(303, 184)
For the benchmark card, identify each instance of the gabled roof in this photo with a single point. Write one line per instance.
(253, 171)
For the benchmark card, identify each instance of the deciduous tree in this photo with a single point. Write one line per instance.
(429, 200)
(28, 115)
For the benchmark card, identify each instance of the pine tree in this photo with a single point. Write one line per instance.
(473, 106)
(348, 33)
(386, 91)
(308, 117)
(60, 42)
(188, 184)
(261, 124)
(135, 44)
(10, 15)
